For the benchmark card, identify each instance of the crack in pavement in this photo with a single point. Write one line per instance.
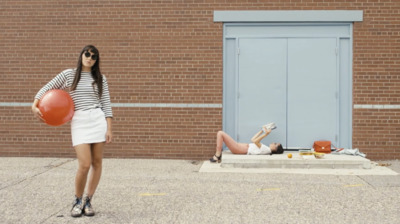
(49, 167)
(57, 212)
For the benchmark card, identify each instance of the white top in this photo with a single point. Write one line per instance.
(254, 150)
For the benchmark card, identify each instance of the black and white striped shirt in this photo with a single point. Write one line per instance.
(85, 96)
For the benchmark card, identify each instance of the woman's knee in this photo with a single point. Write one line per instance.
(84, 167)
(97, 163)
(97, 155)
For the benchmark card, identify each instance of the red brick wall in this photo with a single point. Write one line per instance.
(377, 132)
(376, 79)
(170, 52)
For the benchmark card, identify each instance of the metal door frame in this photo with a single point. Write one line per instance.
(341, 31)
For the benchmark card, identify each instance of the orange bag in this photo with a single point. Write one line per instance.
(322, 146)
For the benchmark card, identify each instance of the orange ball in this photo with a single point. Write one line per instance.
(56, 107)
(289, 155)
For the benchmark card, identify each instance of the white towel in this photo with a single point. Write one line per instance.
(353, 152)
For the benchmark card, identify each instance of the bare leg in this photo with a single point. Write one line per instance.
(84, 160)
(95, 173)
(235, 147)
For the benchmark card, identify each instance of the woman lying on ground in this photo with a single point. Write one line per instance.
(254, 148)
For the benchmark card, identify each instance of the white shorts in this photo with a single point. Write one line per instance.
(88, 126)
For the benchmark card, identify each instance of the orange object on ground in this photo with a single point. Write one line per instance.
(322, 146)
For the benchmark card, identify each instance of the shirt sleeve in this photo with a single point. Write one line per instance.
(105, 99)
(265, 150)
(58, 82)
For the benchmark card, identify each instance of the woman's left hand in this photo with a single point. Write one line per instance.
(109, 132)
(108, 137)
(267, 130)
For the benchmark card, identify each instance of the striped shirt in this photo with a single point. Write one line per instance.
(85, 96)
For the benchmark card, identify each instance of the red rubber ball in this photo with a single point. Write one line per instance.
(56, 107)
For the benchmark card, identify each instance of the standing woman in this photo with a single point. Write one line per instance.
(90, 125)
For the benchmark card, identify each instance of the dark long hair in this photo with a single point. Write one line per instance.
(96, 74)
(279, 150)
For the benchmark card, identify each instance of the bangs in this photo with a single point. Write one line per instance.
(90, 48)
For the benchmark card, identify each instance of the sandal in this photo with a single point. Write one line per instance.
(218, 159)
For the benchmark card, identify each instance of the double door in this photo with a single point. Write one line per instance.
(292, 82)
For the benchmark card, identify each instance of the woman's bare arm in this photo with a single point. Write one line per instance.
(258, 137)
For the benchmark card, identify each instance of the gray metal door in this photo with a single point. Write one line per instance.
(289, 81)
(312, 111)
(262, 87)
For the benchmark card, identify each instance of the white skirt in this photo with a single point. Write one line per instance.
(88, 126)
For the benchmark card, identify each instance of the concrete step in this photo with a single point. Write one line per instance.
(329, 161)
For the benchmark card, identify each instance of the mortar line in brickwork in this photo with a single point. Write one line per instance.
(376, 106)
(165, 105)
(194, 105)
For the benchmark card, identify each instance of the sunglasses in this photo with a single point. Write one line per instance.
(94, 57)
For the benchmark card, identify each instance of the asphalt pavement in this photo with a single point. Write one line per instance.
(41, 190)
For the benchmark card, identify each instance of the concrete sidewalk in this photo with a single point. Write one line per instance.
(333, 164)
(40, 190)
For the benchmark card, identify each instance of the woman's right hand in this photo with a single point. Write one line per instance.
(267, 131)
(36, 112)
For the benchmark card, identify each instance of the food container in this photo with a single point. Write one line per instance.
(319, 155)
(305, 153)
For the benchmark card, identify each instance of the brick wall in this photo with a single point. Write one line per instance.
(378, 131)
(376, 79)
(170, 52)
